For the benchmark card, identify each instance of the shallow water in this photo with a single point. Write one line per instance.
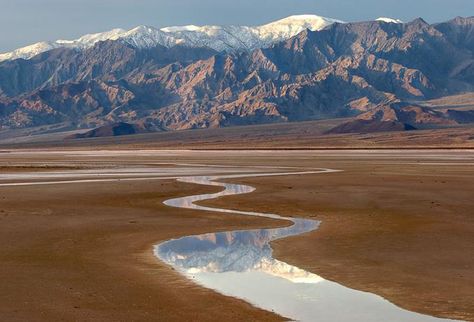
(55, 177)
(240, 264)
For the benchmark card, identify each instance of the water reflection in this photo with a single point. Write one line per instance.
(239, 251)
(240, 264)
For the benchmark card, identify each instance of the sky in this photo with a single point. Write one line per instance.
(23, 22)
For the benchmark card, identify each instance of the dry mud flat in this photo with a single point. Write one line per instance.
(396, 223)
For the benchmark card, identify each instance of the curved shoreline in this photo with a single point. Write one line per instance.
(205, 260)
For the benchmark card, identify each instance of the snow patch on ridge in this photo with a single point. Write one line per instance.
(388, 20)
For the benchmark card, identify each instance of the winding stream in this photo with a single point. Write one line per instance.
(240, 264)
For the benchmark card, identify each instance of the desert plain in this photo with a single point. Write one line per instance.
(397, 223)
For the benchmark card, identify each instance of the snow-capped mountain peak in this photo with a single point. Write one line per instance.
(83, 42)
(30, 51)
(220, 38)
(91, 39)
(311, 22)
(293, 25)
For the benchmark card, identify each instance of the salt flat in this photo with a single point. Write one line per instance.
(394, 223)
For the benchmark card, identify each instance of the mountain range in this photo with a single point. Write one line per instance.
(381, 73)
(219, 38)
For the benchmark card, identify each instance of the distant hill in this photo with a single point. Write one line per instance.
(116, 129)
(370, 126)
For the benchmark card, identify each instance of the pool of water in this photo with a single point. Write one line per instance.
(240, 264)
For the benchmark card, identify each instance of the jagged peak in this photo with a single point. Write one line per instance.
(419, 21)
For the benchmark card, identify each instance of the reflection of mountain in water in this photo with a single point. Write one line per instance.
(239, 251)
(240, 264)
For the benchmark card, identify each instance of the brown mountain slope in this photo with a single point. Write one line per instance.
(343, 70)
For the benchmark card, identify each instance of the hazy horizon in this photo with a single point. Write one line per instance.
(25, 21)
